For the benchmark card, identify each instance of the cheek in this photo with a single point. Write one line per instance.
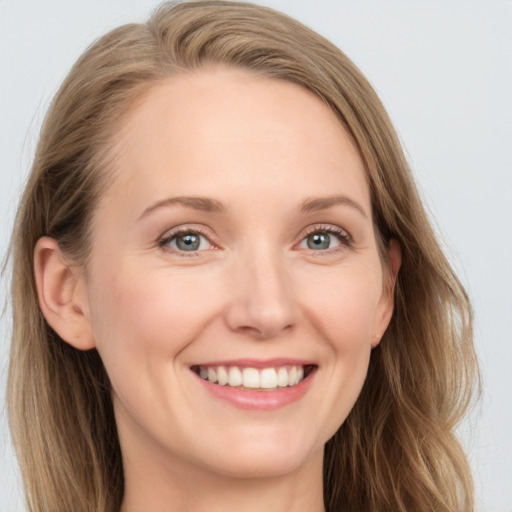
(341, 305)
(344, 306)
(145, 315)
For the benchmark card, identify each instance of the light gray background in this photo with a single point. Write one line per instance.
(444, 71)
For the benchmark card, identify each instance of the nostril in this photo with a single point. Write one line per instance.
(267, 331)
(254, 322)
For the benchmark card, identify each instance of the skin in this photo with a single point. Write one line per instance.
(254, 289)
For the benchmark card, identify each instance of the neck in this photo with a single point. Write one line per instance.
(182, 486)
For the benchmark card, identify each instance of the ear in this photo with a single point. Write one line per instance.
(386, 303)
(62, 294)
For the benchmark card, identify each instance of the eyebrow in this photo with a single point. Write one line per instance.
(204, 204)
(323, 203)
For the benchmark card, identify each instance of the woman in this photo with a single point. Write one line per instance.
(226, 291)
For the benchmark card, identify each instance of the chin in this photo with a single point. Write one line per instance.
(264, 455)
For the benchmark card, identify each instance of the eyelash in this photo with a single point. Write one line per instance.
(343, 237)
(169, 237)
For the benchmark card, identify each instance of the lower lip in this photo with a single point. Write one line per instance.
(266, 400)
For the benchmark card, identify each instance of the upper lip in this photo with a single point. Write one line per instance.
(258, 363)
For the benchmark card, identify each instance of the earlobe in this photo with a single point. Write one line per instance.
(62, 294)
(386, 305)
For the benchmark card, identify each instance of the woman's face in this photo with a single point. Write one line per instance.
(233, 256)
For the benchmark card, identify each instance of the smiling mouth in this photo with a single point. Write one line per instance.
(255, 378)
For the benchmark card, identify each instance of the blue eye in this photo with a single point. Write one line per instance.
(319, 241)
(324, 239)
(187, 241)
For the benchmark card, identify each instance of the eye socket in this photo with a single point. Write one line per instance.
(325, 238)
(318, 239)
(186, 241)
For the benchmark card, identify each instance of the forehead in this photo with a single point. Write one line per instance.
(225, 129)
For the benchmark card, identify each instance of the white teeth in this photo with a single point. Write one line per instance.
(268, 378)
(292, 376)
(222, 375)
(212, 375)
(252, 378)
(282, 377)
(235, 377)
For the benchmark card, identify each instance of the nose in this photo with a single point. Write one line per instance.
(261, 301)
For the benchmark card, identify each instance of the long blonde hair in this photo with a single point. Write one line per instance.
(397, 450)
